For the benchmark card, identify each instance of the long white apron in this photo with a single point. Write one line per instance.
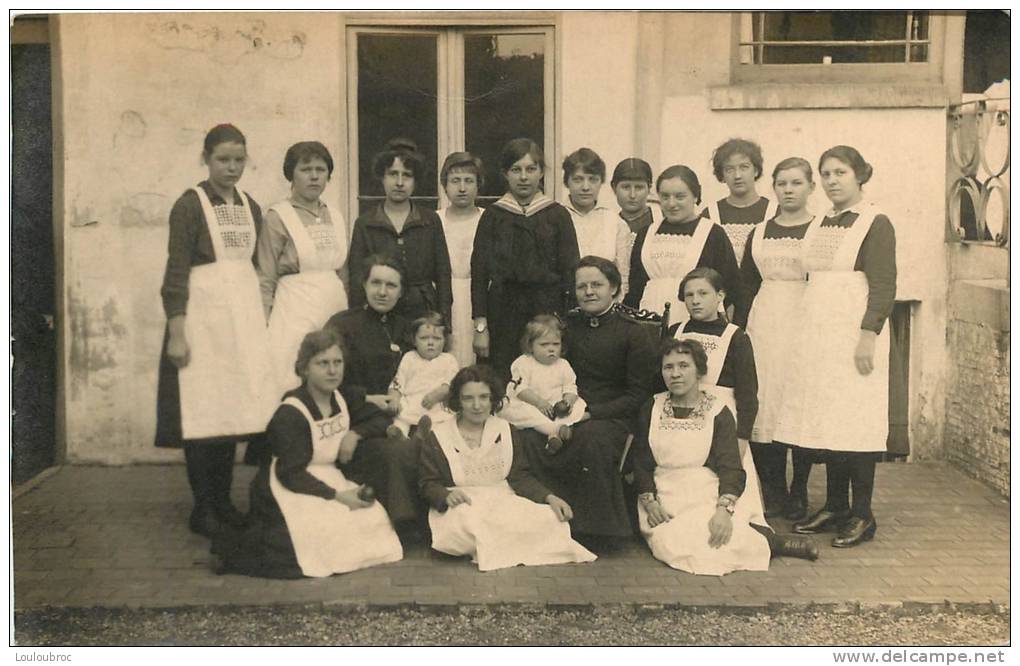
(305, 300)
(330, 537)
(688, 490)
(460, 241)
(716, 348)
(224, 387)
(827, 404)
(775, 320)
(667, 258)
(739, 233)
(499, 528)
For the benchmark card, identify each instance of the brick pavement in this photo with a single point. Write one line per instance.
(117, 536)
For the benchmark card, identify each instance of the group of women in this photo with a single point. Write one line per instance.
(495, 361)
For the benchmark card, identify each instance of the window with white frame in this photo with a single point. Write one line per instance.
(447, 89)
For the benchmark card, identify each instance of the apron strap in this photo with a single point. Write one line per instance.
(298, 233)
(448, 436)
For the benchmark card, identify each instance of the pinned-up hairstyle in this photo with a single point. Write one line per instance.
(302, 152)
(684, 173)
(389, 261)
(750, 149)
(430, 318)
(605, 266)
(584, 160)
(703, 273)
(224, 133)
(475, 373)
(462, 160)
(516, 149)
(314, 343)
(686, 346)
(403, 149)
(539, 326)
(793, 163)
(852, 158)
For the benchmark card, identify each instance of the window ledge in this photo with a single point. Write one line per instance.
(826, 96)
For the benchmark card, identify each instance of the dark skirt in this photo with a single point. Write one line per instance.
(390, 466)
(510, 308)
(585, 474)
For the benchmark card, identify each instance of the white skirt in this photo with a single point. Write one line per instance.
(500, 529)
(462, 327)
(525, 415)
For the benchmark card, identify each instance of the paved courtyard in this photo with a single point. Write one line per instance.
(117, 536)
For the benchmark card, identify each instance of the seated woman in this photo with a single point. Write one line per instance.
(687, 470)
(307, 519)
(485, 502)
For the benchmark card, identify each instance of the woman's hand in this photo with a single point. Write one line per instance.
(720, 528)
(657, 514)
(864, 355)
(348, 445)
(457, 497)
(560, 508)
(177, 349)
(350, 499)
(384, 403)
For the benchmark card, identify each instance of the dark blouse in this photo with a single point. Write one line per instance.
(640, 222)
(536, 250)
(435, 478)
(614, 362)
(290, 438)
(420, 245)
(375, 344)
(723, 456)
(752, 214)
(749, 269)
(738, 371)
(190, 244)
(717, 254)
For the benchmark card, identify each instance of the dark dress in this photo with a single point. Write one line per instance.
(420, 246)
(614, 359)
(264, 547)
(189, 245)
(521, 266)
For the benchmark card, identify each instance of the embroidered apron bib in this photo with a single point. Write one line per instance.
(305, 300)
(667, 258)
(330, 537)
(739, 233)
(225, 387)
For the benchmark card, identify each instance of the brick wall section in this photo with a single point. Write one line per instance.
(977, 404)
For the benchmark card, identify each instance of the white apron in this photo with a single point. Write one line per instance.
(460, 241)
(689, 491)
(305, 300)
(667, 258)
(225, 387)
(827, 404)
(499, 528)
(330, 537)
(716, 348)
(739, 233)
(775, 320)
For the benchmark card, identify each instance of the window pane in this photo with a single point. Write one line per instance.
(856, 26)
(397, 97)
(504, 97)
(844, 54)
(847, 25)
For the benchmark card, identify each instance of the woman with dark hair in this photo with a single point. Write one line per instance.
(307, 518)
(692, 505)
(738, 163)
(614, 359)
(399, 228)
(485, 501)
(215, 375)
(670, 248)
(525, 249)
(837, 396)
(300, 253)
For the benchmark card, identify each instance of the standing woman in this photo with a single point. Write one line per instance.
(411, 233)
(523, 259)
(632, 182)
(300, 253)
(775, 279)
(461, 176)
(669, 249)
(214, 373)
(738, 164)
(837, 399)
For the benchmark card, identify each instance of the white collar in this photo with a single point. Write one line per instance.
(509, 203)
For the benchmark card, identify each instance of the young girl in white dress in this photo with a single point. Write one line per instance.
(461, 176)
(485, 501)
(543, 387)
(422, 381)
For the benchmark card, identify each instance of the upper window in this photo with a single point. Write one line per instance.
(827, 46)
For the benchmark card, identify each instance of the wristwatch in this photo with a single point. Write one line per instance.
(480, 327)
(727, 502)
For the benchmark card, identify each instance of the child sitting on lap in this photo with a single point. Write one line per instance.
(422, 381)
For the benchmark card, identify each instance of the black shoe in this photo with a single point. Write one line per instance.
(823, 521)
(856, 531)
(795, 508)
(774, 504)
(797, 546)
(230, 515)
(203, 521)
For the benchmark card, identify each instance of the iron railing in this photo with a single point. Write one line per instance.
(977, 199)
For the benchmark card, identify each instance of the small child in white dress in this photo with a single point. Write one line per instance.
(543, 387)
(422, 382)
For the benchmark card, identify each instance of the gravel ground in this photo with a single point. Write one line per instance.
(482, 626)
